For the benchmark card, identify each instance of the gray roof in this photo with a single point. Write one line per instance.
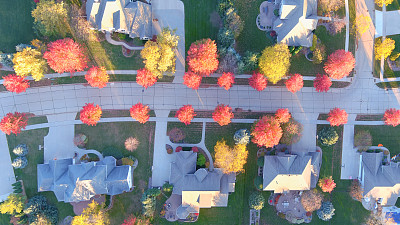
(133, 18)
(79, 182)
(298, 18)
(291, 172)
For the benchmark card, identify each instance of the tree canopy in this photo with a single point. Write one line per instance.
(94, 214)
(51, 18)
(29, 62)
(274, 62)
(230, 159)
(202, 57)
(384, 48)
(266, 132)
(13, 205)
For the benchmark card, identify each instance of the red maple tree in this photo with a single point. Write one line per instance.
(13, 123)
(339, 64)
(185, 114)
(145, 78)
(65, 55)
(15, 83)
(282, 115)
(192, 80)
(392, 117)
(90, 114)
(97, 77)
(327, 184)
(337, 117)
(322, 83)
(294, 83)
(202, 57)
(226, 80)
(266, 132)
(258, 81)
(222, 114)
(140, 112)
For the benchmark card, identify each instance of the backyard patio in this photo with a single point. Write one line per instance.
(290, 205)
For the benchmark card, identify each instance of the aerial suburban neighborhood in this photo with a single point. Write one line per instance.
(212, 112)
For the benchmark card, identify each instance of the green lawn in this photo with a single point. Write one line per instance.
(198, 23)
(105, 135)
(34, 138)
(192, 131)
(388, 136)
(15, 24)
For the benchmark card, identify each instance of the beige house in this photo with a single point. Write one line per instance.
(380, 183)
(289, 172)
(297, 19)
(133, 17)
(198, 188)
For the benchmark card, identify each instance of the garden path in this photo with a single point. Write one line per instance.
(114, 42)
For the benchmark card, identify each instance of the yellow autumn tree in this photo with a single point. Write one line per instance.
(384, 48)
(230, 160)
(159, 56)
(94, 214)
(361, 24)
(381, 2)
(29, 62)
(13, 205)
(274, 62)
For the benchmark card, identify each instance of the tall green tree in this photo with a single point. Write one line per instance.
(51, 18)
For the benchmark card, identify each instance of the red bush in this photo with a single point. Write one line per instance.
(192, 80)
(392, 117)
(294, 83)
(195, 149)
(282, 115)
(185, 114)
(13, 123)
(322, 83)
(337, 117)
(97, 77)
(226, 80)
(222, 114)
(339, 64)
(327, 184)
(140, 112)
(90, 114)
(15, 83)
(65, 55)
(258, 81)
(202, 57)
(145, 78)
(266, 132)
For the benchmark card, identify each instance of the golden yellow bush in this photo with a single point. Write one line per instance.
(274, 62)
(230, 160)
(29, 62)
(384, 48)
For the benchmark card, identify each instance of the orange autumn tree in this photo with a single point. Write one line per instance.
(65, 55)
(226, 80)
(282, 115)
(202, 57)
(192, 80)
(13, 123)
(266, 132)
(392, 117)
(337, 117)
(97, 77)
(294, 83)
(15, 83)
(90, 114)
(322, 83)
(185, 114)
(145, 78)
(327, 184)
(140, 112)
(339, 64)
(228, 159)
(258, 81)
(222, 114)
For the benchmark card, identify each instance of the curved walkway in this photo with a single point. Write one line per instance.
(121, 43)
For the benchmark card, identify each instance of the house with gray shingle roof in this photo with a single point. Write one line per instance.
(72, 182)
(290, 172)
(297, 19)
(199, 188)
(133, 17)
(380, 182)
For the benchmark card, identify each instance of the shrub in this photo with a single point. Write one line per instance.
(20, 162)
(274, 62)
(248, 63)
(260, 161)
(311, 200)
(112, 151)
(13, 205)
(225, 38)
(90, 114)
(167, 187)
(395, 55)
(328, 136)
(21, 150)
(242, 136)
(363, 140)
(222, 114)
(127, 161)
(131, 144)
(326, 211)
(37, 209)
(122, 36)
(6, 59)
(258, 182)
(233, 21)
(291, 132)
(223, 6)
(266, 132)
(80, 140)
(201, 160)
(176, 135)
(140, 112)
(337, 116)
(327, 184)
(294, 83)
(256, 200)
(356, 191)
(319, 54)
